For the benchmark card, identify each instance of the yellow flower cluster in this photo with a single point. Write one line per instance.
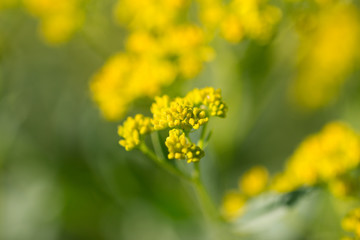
(322, 157)
(58, 19)
(351, 223)
(180, 148)
(149, 63)
(238, 19)
(125, 78)
(164, 44)
(251, 184)
(132, 131)
(208, 98)
(150, 14)
(180, 115)
(192, 111)
(322, 71)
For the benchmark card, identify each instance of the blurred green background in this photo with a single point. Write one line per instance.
(64, 176)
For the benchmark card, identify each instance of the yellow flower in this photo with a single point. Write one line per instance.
(254, 181)
(322, 157)
(177, 144)
(194, 153)
(149, 14)
(321, 70)
(58, 20)
(177, 113)
(233, 205)
(232, 29)
(180, 148)
(340, 188)
(211, 13)
(132, 131)
(283, 183)
(58, 28)
(351, 222)
(125, 78)
(208, 98)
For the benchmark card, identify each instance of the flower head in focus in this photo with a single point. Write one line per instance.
(180, 117)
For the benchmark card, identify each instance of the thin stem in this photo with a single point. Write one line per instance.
(202, 136)
(163, 164)
(155, 139)
(207, 204)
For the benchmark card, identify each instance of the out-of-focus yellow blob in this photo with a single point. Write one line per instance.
(149, 63)
(126, 77)
(232, 29)
(254, 181)
(57, 29)
(322, 157)
(351, 222)
(149, 14)
(326, 55)
(58, 19)
(340, 188)
(233, 205)
(237, 19)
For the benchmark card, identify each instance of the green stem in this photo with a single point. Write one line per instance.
(163, 164)
(155, 139)
(202, 136)
(206, 203)
(209, 209)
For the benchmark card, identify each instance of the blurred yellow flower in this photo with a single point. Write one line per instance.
(232, 29)
(340, 188)
(321, 158)
(233, 205)
(126, 77)
(149, 14)
(58, 19)
(149, 63)
(254, 181)
(351, 222)
(237, 19)
(326, 55)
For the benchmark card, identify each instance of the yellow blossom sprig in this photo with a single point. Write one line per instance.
(181, 117)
